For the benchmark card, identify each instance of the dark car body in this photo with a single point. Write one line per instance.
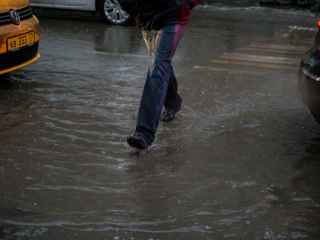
(309, 76)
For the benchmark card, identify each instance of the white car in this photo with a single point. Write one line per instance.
(110, 10)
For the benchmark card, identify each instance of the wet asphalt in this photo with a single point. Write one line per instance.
(240, 161)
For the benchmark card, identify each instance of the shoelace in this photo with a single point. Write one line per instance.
(139, 136)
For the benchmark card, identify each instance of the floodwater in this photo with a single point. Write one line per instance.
(240, 161)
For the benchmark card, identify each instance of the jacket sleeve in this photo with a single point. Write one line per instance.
(132, 7)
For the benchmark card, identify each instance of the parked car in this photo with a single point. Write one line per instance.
(309, 76)
(110, 10)
(19, 35)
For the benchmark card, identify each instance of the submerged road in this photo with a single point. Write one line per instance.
(241, 161)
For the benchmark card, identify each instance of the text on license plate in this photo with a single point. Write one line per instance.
(20, 41)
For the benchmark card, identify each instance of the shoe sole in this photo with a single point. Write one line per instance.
(136, 144)
(164, 120)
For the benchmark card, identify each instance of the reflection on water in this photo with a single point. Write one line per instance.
(239, 161)
(302, 195)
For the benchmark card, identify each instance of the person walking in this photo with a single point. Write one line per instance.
(162, 23)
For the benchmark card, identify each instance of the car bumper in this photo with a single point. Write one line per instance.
(11, 30)
(309, 90)
(20, 65)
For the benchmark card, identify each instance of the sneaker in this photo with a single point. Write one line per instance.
(138, 141)
(168, 114)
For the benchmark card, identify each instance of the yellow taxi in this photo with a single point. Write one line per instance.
(19, 35)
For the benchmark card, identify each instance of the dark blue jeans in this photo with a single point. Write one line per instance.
(161, 87)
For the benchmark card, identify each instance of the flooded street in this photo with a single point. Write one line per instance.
(240, 161)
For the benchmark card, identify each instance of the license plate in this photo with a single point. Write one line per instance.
(20, 41)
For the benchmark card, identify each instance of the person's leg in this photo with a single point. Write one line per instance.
(156, 86)
(173, 99)
(149, 37)
(138, 140)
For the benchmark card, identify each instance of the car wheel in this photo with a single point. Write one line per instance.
(112, 13)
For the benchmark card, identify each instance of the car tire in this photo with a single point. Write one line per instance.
(112, 13)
